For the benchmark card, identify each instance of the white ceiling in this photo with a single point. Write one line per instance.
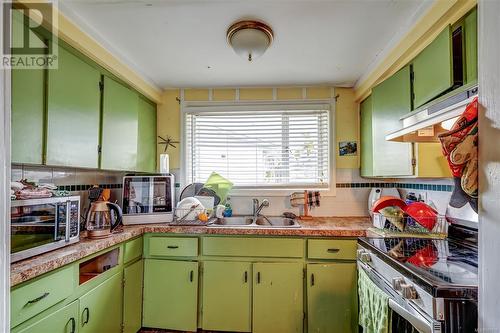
(181, 43)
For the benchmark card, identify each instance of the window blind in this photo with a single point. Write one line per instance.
(275, 148)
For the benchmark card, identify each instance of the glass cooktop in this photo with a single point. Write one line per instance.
(439, 263)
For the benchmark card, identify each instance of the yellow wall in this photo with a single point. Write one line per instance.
(168, 124)
(346, 128)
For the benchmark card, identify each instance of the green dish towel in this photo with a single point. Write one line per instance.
(373, 306)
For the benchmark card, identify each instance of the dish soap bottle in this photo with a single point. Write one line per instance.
(228, 212)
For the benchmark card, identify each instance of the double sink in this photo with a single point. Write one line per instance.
(255, 222)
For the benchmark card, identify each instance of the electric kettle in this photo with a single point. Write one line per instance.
(103, 217)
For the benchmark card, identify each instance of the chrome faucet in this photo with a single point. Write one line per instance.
(257, 208)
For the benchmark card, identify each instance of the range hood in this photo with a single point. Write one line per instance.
(427, 122)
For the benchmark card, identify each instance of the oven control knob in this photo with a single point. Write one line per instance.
(365, 257)
(397, 283)
(409, 291)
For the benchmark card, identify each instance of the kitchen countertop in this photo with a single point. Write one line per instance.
(30, 268)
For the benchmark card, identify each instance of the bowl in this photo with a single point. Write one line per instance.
(387, 201)
(423, 214)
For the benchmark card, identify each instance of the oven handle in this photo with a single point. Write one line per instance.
(68, 220)
(420, 324)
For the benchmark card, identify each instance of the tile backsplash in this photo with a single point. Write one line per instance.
(76, 181)
(351, 197)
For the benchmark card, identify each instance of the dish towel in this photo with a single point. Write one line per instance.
(373, 306)
(313, 199)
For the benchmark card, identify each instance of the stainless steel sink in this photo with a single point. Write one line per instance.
(260, 222)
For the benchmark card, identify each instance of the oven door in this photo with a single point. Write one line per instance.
(38, 227)
(404, 317)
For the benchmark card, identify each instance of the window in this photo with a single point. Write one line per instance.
(273, 146)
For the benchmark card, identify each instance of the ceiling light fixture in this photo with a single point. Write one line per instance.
(249, 39)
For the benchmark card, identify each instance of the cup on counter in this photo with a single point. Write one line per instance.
(219, 211)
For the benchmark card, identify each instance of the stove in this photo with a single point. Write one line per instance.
(432, 284)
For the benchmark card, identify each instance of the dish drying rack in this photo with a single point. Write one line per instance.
(383, 227)
(189, 217)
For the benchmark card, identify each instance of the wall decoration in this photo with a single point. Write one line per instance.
(168, 142)
(348, 148)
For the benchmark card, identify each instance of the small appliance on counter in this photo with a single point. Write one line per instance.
(102, 219)
(41, 225)
(148, 198)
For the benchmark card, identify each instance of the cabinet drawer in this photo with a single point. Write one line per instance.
(32, 298)
(253, 247)
(331, 249)
(133, 250)
(173, 247)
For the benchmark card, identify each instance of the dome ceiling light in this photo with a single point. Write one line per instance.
(250, 39)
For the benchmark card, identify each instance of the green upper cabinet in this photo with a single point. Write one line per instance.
(170, 295)
(73, 113)
(27, 115)
(470, 24)
(101, 307)
(63, 320)
(27, 123)
(390, 100)
(132, 297)
(432, 69)
(331, 297)
(119, 127)
(278, 297)
(146, 144)
(229, 310)
(366, 110)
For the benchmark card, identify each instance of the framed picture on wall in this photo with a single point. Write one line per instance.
(348, 148)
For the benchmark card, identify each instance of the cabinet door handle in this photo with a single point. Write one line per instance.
(312, 280)
(333, 250)
(39, 298)
(87, 316)
(172, 247)
(73, 324)
(258, 277)
(246, 276)
(191, 275)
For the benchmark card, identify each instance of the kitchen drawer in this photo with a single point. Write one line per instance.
(253, 247)
(133, 250)
(32, 298)
(173, 247)
(331, 249)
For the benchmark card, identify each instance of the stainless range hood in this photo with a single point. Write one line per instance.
(426, 123)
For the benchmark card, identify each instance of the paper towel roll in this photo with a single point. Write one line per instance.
(164, 163)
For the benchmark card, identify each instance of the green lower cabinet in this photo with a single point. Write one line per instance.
(132, 297)
(101, 307)
(331, 298)
(231, 309)
(170, 294)
(278, 297)
(64, 320)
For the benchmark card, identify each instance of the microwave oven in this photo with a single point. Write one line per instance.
(148, 199)
(42, 225)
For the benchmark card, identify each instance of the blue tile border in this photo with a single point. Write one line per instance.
(80, 187)
(411, 186)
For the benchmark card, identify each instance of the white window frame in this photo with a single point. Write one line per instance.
(211, 106)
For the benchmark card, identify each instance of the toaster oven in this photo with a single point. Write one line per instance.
(42, 225)
(148, 199)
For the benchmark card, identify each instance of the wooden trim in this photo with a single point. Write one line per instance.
(438, 16)
(82, 42)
